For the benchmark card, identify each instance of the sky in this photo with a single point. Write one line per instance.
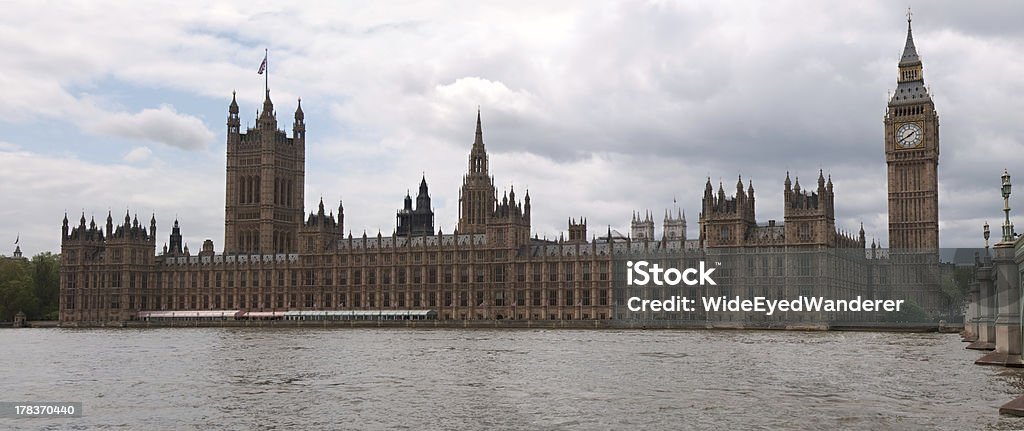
(598, 108)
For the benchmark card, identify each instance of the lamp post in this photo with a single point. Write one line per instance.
(987, 234)
(1007, 227)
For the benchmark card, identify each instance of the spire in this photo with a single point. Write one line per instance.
(909, 57)
(479, 130)
(321, 211)
(788, 183)
(268, 108)
(298, 112)
(233, 108)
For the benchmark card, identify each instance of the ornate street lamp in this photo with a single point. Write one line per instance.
(1007, 227)
(987, 234)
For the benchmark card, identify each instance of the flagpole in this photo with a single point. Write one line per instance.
(266, 73)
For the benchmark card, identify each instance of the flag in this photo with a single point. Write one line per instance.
(263, 65)
(18, 238)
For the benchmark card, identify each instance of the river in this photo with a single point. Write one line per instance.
(275, 379)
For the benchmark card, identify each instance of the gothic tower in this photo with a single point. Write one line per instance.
(578, 230)
(726, 221)
(265, 183)
(419, 220)
(912, 156)
(675, 226)
(477, 198)
(641, 227)
(810, 215)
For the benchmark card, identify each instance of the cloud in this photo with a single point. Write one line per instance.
(42, 188)
(163, 125)
(600, 108)
(138, 154)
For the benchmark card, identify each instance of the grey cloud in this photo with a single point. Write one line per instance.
(599, 108)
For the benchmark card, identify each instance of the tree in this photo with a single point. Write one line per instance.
(46, 285)
(16, 289)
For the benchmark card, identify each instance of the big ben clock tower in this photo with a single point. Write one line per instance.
(912, 156)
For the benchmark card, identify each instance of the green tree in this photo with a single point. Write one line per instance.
(46, 285)
(16, 289)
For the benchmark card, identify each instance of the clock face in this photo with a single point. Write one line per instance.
(909, 135)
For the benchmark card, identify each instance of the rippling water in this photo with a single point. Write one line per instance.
(264, 378)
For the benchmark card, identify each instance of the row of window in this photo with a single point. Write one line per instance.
(523, 298)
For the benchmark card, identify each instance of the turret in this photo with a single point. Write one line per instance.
(299, 128)
(110, 225)
(175, 240)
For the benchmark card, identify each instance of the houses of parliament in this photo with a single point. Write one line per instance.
(278, 261)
